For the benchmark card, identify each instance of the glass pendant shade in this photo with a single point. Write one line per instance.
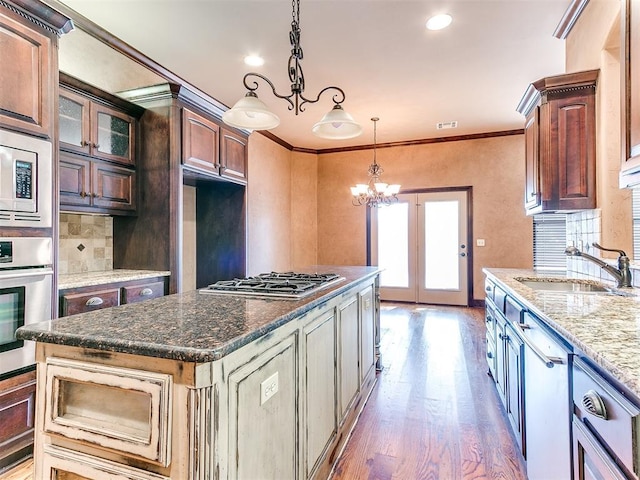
(251, 113)
(337, 125)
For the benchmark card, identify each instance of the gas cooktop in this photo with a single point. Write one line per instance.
(289, 285)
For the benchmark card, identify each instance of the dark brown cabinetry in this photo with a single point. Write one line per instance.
(28, 49)
(17, 409)
(87, 299)
(86, 184)
(630, 88)
(97, 150)
(560, 147)
(213, 149)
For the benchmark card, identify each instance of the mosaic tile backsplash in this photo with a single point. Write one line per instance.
(86, 243)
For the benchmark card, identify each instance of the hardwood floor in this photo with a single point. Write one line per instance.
(434, 414)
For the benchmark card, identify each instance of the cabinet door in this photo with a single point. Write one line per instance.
(113, 187)
(573, 150)
(630, 74)
(233, 156)
(112, 134)
(75, 180)
(532, 160)
(590, 460)
(26, 87)
(348, 355)
(319, 388)
(262, 398)
(17, 409)
(139, 293)
(72, 303)
(200, 138)
(74, 130)
(367, 333)
(514, 388)
(501, 371)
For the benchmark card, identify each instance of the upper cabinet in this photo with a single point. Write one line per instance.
(211, 149)
(99, 127)
(28, 49)
(97, 150)
(560, 146)
(630, 75)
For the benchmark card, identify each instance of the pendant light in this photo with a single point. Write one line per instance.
(251, 113)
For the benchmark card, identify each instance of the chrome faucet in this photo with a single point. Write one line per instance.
(622, 274)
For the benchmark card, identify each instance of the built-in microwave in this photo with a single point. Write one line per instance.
(26, 181)
(26, 280)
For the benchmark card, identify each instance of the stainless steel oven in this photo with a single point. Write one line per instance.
(25, 181)
(26, 276)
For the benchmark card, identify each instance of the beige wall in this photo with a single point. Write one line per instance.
(493, 167)
(304, 209)
(594, 43)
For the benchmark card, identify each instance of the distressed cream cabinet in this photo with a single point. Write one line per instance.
(279, 407)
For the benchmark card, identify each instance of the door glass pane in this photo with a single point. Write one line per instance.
(441, 261)
(70, 121)
(113, 135)
(11, 316)
(393, 245)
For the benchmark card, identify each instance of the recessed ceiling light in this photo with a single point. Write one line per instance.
(438, 22)
(254, 60)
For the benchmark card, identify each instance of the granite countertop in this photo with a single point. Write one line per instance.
(88, 279)
(605, 327)
(188, 326)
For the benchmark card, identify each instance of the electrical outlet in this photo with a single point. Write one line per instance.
(268, 388)
(480, 242)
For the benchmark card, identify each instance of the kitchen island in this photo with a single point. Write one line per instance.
(206, 386)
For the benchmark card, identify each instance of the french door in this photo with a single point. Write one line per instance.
(421, 242)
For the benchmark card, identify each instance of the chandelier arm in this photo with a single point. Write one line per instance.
(337, 98)
(253, 86)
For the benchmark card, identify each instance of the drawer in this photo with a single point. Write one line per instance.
(489, 288)
(62, 463)
(121, 409)
(139, 293)
(498, 298)
(72, 303)
(619, 427)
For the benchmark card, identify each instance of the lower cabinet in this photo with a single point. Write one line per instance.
(367, 332)
(605, 427)
(17, 410)
(87, 299)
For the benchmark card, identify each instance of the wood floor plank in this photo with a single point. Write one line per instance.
(434, 413)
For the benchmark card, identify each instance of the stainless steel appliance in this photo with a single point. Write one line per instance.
(26, 275)
(289, 285)
(546, 401)
(25, 181)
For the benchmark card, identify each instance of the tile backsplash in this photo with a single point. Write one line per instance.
(86, 243)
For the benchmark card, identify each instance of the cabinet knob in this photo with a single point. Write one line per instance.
(93, 301)
(489, 354)
(489, 319)
(84, 143)
(95, 195)
(96, 145)
(145, 292)
(487, 289)
(83, 194)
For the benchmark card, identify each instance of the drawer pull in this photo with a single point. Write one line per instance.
(93, 301)
(489, 319)
(487, 289)
(594, 404)
(489, 355)
(145, 292)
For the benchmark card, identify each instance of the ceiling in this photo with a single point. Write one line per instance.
(378, 51)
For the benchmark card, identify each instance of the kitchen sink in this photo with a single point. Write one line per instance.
(569, 286)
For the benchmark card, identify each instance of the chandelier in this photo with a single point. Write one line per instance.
(374, 193)
(251, 113)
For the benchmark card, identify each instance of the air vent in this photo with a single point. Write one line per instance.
(445, 125)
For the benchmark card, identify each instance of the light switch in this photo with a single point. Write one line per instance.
(480, 242)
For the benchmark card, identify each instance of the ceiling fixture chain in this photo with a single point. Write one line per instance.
(374, 193)
(251, 113)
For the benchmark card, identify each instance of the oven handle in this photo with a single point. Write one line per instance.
(23, 273)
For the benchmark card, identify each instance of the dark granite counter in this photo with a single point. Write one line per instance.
(606, 328)
(189, 326)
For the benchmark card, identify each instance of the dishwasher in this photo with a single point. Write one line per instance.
(547, 403)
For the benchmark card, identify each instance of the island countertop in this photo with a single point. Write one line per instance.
(188, 326)
(605, 327)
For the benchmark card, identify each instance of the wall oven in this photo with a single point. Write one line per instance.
(25, 181)
(26, 279)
